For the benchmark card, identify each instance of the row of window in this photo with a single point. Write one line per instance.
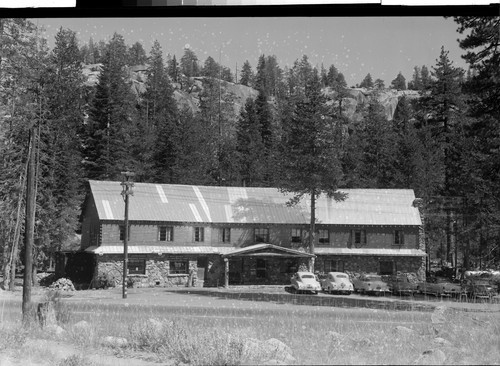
(261, 235)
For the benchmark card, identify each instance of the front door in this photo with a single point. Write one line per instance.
(202, 267)
(261, 268)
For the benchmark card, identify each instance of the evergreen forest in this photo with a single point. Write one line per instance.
(292, 133)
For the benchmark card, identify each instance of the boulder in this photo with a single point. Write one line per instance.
(431, 357)
(403, 330)
(442, 341)
(82, 325)
(56, 330)
(270, 352)
(115, 342)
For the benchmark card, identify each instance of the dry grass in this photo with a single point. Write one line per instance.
(212, 336)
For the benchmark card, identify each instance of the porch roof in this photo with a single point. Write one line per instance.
(396, 252)
(267, 250)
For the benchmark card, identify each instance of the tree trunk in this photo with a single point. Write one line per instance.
(312, 227)
(29, 228)
(17, 230)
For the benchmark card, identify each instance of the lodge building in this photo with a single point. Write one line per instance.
(248, 235)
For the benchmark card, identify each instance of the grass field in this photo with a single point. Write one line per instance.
(216, 332)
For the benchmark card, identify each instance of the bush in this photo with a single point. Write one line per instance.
(62, 284)
(48, 280)
(106, 280)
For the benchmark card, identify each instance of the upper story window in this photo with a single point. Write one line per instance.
(323, 236)
(399, 237)
(225, 235)
(359, 237)
(262, 235)
(122, 232)
(199, 234)
(165, 233)
(296, 235)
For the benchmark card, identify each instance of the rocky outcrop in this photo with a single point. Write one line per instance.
(353, 103)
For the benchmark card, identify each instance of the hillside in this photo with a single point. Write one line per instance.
(389, 98)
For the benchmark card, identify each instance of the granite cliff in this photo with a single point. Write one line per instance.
(357, 97)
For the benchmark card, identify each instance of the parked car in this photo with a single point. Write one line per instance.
(439, 286)
(401, 285)
(337, 282)
(480, 288)
(305, 282)
(370, 284)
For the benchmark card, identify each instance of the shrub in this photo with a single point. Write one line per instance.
(187, 344)
(48, 280)
(63, 284)
(105, 280)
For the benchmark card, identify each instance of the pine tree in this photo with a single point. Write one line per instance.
(399, 83)
(482, 135)
(210, 68)
(189, 63)
(379, 84)
(249, 146)
(310, 157)
(367, 82)
(60, 179)
(246, 74)
(160, 125)
(173, 70)
(332, 76)
(111, 129)
(136, 55)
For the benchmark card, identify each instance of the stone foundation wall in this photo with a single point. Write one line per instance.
(371, 264)
(109, 272)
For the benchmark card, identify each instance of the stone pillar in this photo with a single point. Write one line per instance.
(226, 272)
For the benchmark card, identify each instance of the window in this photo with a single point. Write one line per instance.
(334, 266)
(122, 232)
(165, 233)
(136, 266)
(296, 235)
(262, 235)
(399, 237)
(359, 237)
(199, 234)
(179, 267)
(386, 267)
(225, 235)
(323, 237)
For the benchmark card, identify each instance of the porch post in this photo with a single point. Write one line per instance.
(311, 264)
(226, 272)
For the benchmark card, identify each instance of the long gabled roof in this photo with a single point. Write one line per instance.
(207, 204)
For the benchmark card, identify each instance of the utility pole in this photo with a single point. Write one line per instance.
(30, 226)
(127, 186)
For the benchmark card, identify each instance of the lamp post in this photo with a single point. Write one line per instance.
(127, 186)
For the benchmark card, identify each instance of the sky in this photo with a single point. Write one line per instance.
(381, 46)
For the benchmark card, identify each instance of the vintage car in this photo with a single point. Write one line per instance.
(439, 286)
(479, 288)
(337, 282)
(401, 285)
(370, 284)
(305, 282)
